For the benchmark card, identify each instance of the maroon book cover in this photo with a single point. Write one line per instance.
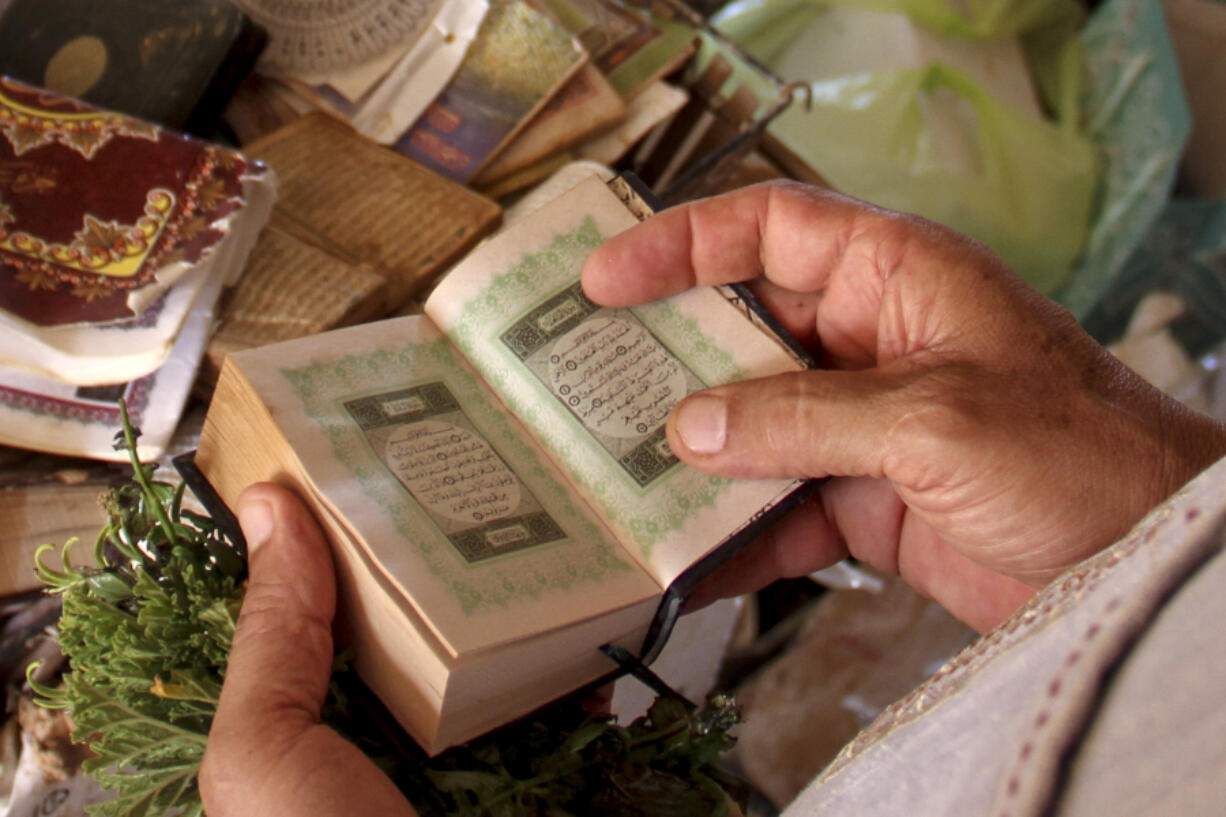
(95, 204)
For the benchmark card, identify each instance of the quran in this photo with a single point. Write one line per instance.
(494, 476)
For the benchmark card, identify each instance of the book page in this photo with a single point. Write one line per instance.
(597, 384)
(50, 415)
(474, 526)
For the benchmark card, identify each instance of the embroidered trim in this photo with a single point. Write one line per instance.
(85, 132)
(1028, 621)
(136, 396)
(1054, 689)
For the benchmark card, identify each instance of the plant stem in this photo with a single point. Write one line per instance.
(142, 477)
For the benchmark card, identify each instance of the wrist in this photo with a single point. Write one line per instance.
(1196, 441)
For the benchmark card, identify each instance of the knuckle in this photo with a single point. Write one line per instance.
(278, 608)
(940, 412)
(785, 422)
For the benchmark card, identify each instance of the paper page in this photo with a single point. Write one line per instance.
(655, 105)
(383, 97)
(473, 524)
(597, 384)
(51, 415)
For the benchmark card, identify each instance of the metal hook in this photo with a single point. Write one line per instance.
(710, 170)
(786, 96)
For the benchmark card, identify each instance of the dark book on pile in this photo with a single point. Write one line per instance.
(173, 63)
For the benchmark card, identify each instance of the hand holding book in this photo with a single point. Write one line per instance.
(986, 443)
(267, 752)
(503, 495)
(901, 308)
(493, 475)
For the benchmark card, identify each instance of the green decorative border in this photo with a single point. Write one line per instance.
(685, 338)
(646, 515)
(583, 558)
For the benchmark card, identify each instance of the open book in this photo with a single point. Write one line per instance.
(494, 475)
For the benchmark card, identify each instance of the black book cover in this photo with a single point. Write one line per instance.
(173, 62)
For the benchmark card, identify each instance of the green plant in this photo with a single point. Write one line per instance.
(146, 629)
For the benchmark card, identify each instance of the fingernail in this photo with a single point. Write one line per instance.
(702, 423)
(255, 518)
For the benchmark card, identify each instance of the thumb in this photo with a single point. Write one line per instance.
(267, 752)
(798, 424)
(280, 660)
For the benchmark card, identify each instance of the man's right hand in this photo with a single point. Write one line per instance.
(981, 441)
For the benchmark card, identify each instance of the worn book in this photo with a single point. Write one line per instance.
(628, 52)
(521, 58)
(383, 96)
(650, 110)
(45, 414)
(113, 231)
(633, 47)
(291, 288)
(586, 106)
(494, 476)
(368, 207)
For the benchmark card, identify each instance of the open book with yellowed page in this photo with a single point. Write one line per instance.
(494, 476)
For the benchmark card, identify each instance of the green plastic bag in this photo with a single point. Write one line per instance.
(1136, 113)
(1029, 192)
(1047, 29)
(1029, 198)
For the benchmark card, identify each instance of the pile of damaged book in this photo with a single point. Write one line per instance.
(116, 238)
(493, 94)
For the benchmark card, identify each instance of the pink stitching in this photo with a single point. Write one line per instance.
(1054, 688)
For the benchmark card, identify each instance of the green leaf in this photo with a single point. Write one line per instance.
(583, 736)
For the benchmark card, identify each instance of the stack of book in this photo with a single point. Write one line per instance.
(493, 473)
(116, 238)
(515, 89)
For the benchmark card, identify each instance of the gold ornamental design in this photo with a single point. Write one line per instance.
(100, 247)
(85, 132)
